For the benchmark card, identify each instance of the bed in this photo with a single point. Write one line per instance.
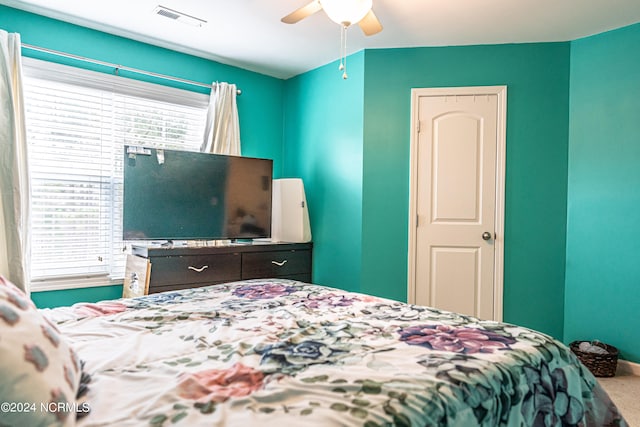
(285, 353)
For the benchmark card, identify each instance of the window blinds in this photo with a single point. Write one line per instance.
(78, 122)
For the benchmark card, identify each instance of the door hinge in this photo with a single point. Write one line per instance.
(418, 126)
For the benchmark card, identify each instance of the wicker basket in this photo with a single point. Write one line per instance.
(600, 365)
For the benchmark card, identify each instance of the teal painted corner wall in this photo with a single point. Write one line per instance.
(603, 229)
(537, 77)
(319, 107)
(323, 146)
(261, 102)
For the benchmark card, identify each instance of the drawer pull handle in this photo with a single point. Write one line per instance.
(279, 264)
(198, 270)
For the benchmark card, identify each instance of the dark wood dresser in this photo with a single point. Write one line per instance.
(181, 267)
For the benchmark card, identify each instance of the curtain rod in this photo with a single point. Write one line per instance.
(118, 67)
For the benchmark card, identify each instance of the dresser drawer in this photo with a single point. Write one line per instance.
(183, 267)
(276, 264)
(178, 270)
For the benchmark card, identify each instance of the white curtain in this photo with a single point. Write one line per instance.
(222, 131)
(14, 178)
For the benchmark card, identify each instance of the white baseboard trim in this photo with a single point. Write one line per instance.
(627, 368)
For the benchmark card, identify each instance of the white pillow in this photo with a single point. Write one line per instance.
(39, 372)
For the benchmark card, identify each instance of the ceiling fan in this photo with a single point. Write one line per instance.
(342, 12)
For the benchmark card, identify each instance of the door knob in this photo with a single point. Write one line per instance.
(486, 236)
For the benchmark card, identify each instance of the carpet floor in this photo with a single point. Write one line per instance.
(624, 390)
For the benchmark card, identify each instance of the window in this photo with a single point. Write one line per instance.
(78, 122)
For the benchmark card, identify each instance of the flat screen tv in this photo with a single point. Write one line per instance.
(181, 195)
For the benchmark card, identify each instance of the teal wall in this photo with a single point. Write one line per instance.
(50, 299)
(602, 296)
(323, 146)
(537, 76)
(261, 102)
(338, 132)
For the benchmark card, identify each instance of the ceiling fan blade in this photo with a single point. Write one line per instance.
(370, 24)
(303, 12)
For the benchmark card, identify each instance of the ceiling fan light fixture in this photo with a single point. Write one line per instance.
(346, 12)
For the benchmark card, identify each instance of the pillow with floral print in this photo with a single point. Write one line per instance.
(39, 372)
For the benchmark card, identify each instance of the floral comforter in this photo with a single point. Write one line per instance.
(285, 353)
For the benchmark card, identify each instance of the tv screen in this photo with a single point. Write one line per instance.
(181, 195)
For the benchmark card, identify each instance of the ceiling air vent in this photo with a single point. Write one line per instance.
(179, 16)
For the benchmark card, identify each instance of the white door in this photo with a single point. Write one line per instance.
(457, 192)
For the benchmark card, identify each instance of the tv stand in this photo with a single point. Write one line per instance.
(181, 267)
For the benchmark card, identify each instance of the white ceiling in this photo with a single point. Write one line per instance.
(249, 34)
